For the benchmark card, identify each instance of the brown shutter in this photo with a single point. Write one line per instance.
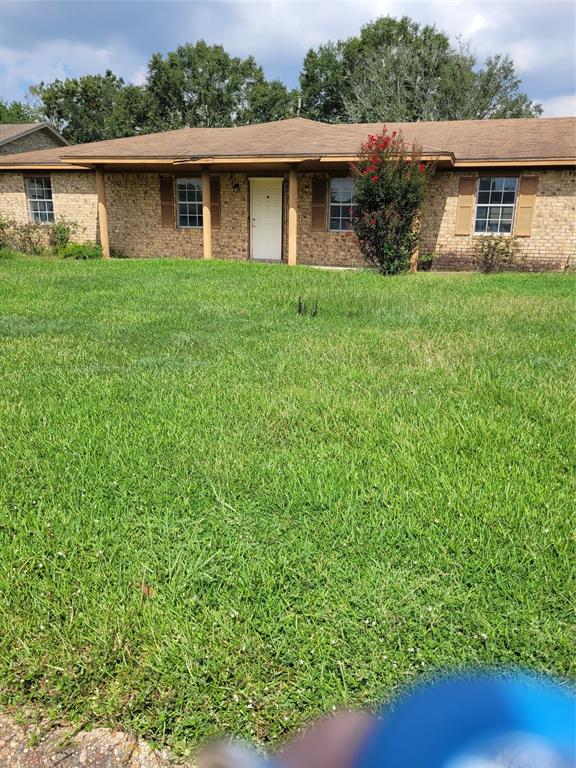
(215, 201)
(319, 189)
(525, 206)
(465, 206)
(167, 201)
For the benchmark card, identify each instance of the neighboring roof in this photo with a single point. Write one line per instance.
(11, 131)
(464, 142)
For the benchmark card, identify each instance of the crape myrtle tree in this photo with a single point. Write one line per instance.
(390, 184)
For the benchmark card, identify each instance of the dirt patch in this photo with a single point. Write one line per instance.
(48, 745)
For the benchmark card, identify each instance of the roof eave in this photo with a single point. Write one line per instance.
(43, 167)
(237, 159)
(511, 161)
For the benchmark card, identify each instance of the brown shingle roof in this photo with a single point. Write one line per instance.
(468, 140)
(11, 131)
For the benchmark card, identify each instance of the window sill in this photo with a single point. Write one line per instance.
(488, 234)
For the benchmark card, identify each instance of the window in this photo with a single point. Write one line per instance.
(341, 204)
(189, 202)
(39, 191)
(495, 205)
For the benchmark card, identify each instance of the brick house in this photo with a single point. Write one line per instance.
(25, 137)
(281, 191)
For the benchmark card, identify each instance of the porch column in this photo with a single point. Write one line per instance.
(102, 213)
(206, 216)
(292, 216)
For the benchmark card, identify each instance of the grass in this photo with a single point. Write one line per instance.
(217, 515)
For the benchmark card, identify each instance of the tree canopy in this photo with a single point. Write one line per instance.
(202, 85)
(397, 70)
(93, 107)
(16, 112)
(195, 85)
(394, 70)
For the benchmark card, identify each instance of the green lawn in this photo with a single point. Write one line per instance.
(217, 515)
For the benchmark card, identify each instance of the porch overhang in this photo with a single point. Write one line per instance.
(235, 163)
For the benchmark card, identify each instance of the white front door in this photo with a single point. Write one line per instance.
(266, 219)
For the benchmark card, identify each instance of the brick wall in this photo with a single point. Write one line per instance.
(13, 204)
(135, 219)
(135, 225)
(335, 249)
(230, 240)
(42, 139)
(75, 199)
(73, 193)
(553, 237)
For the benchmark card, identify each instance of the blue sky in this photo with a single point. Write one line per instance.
(45, 39)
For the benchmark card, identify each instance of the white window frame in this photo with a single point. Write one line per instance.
(341, 206)
(192, 204)
(500, 205)
(35, 204)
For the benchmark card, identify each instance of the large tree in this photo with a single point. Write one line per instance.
(396, 70)
(270, 100)
(195, 85)
(93, 107)
(202, 85)
(16, 112)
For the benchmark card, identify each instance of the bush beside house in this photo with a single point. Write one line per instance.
(44, 240)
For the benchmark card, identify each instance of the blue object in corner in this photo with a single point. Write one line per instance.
(472, 720)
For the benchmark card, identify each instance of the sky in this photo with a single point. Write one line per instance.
(48, 39)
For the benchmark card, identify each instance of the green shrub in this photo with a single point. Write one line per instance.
(60, 233)
(4, 226)
(35, 239)
(496, 253)
(31, 239)
(390, 183)
(425, 261)
(81, 251)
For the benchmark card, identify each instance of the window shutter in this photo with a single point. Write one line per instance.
(525, 206)
(465, 207)
(319, 188)
(167, 201)
(215, 201)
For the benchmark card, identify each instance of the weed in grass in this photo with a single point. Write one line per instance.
(215, 518)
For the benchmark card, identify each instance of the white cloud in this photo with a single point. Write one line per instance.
(560, 106)
(53, 59)
(139, 77)
(60, 42)
(478, 23)
(291, 28)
